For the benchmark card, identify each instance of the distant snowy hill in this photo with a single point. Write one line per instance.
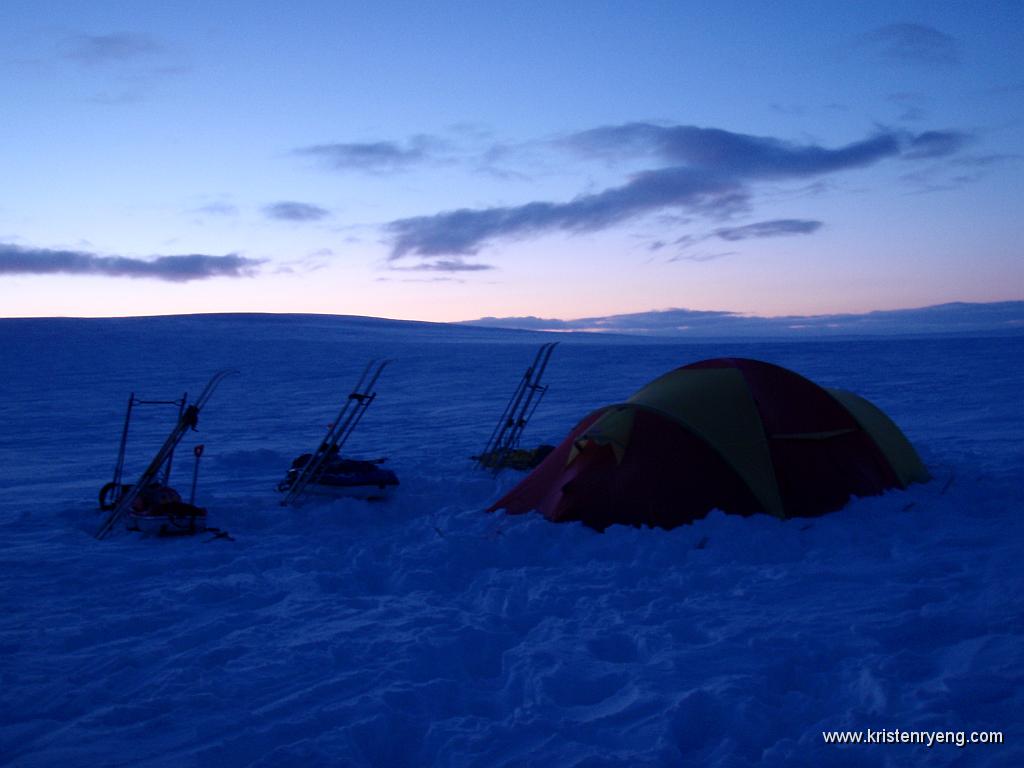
(1005, 317)
(423, 631)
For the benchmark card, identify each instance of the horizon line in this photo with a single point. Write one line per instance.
(1004, 318)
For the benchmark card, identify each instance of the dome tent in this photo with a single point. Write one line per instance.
(734, 434)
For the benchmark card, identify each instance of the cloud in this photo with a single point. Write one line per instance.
(708, 171)
(910, 105)
(805, 109)
(445, 265)
(465, 231)
(123, 68)
(16, 260)
(374, 157)
(914, 44)
(292, 211)
(736, 154)
(773, 228)
(931, 144)
(701, 257)
(217, 209)
(958, 172)
(92, 50)
(760, 229)
(420, 280)
(764, 157)
(955, 318)
(659, 322)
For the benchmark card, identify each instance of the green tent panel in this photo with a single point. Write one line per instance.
(887, 436)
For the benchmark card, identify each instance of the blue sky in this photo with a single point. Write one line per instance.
(447, 161)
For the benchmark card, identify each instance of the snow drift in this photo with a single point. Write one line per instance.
(423, 631)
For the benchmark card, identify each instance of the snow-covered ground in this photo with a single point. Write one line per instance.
(423, 631)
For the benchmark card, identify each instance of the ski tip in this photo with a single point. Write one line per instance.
(220, 375)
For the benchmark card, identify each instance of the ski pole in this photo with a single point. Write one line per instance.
(198, 451)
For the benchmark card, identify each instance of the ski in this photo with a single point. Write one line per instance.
(520, 408)
(111, 492)
(505, 420)
(533, 389)
(186, 420)
(351, 413)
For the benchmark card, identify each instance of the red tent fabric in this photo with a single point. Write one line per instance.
(734, 434)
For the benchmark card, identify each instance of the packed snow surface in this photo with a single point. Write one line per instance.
(424, 631)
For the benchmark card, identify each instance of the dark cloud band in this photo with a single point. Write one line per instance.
(292, 211)
(709, 171)
(774, 228)
(374, 156)
(446, 265)
(1003, 317)
(15, 260)
(109, 48)
(739, 155)
(914, 44)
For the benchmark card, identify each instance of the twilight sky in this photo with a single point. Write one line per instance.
(451, 160)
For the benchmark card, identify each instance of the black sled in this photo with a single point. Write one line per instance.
(325, 472)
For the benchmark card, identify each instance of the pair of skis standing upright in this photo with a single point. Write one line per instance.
(341, 428)
(502, 449)
(503, 442)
